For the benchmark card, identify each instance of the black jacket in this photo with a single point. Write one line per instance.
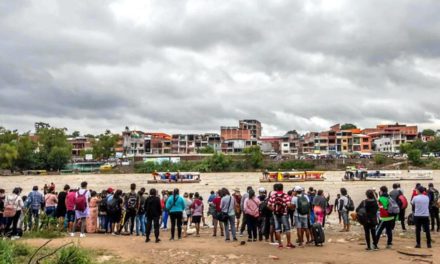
(371, 207)
(152, 207)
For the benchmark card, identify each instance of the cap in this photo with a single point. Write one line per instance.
(297, 189)
(262, 190)
(110, 190)
(236, 190)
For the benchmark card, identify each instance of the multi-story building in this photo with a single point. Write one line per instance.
(228, 133)
(134, 142)
(157, 143)
(79, 145)
(192, 143)
(254, 126)
(388, 138)
(308, 142)
(237, 145)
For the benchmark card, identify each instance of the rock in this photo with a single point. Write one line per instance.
(274, 257)
(341, 240)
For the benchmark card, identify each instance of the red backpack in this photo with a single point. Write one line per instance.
(403, 201)
(279, 207)
(81, 202)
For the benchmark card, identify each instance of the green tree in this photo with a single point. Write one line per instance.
(104, 146)
(75, 134)
(253, 157)
(58, 157)
(7, 136)
(27, 157)
(415, 156)
(428, 132)
(347, 126)
(206, 150)
(41, 125)
(405, 147)
(53, 138)
(218, 162)
(434, 145)
(8, 155)
(420, 145)
(379, 159)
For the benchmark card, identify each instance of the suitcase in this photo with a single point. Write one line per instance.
(318, 234)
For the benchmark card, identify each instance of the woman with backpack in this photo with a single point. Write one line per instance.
(197, 212)
(12, 212)
(367, 217)
(343, 209)
(92, 219)
(319, 207)
(175, 205)
(251, 209)
(387, 221)
(227, 206)
(82, 198)
(114, 211)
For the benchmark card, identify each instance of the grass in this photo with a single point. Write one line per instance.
(48, 234)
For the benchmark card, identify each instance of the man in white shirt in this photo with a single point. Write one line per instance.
(421, 215)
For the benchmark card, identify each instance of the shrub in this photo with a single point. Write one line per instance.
(72, 255)
(6, 252)
(379, 159)
(415, 156)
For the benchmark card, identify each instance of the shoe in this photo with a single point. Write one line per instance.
(157, 240)
(147, 240)
(389, 246)
(241, 234)
(214, 235)
(368, 249)
(290, 246)
(417, 246)
(234, 239)
(255, 240)
(280, 245)
(172, 239)
(227, 240)
(72, 234)
(429, 246)
(82, 235)
(375, 248)
(249, 240)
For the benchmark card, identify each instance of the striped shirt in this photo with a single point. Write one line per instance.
(283, 196)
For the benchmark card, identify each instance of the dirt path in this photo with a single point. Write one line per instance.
(340, 248)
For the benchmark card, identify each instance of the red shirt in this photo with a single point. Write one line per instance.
(70, 201)
(285, 198)
(217, 201)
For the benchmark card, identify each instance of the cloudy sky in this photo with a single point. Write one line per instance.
(193, 66)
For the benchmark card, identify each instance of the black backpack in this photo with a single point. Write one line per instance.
(350, 204)
(113, 206)
(303, 207)
(264, 209)
(279, 207)
(102, 207)
(141, 205)
(362, 214)
(131, 201)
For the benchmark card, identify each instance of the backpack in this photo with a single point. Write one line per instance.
(113, 205)
(303, 207)
(350, 204)
(362, 214)
(102, 207)
(402, 201)
(141, 205)
(435, 198)
(264, 209)
(10, 209)
(393, 207)
(81, 202)
(131, 201)
(410, 220)
(280, 205)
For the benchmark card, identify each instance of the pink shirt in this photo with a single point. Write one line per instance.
(251, 206)
(51, 200)
(70, 201)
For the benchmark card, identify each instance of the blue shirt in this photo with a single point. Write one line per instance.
(421, 204)
(177, 206)
(35, 199)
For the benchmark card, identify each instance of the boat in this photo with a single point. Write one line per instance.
(383, 176)
(354, 174)
(292, 176)
(175, 177)
(105, 168)
(314, 176)
(419, 175)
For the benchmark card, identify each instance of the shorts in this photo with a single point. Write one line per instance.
(301, 222)
(281, 223)
(196, 219)
(345, 219)
(70, 216)
(115, 217)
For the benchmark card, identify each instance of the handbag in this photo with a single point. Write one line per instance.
(10, 210)
(222, 216)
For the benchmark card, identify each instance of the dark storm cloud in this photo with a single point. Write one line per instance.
(193, 66)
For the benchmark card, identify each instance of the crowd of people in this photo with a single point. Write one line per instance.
(265, 214)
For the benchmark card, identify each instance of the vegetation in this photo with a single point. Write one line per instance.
(415, 156)
(206, 150)
(104, 145)
(348, 126)
(8, 155)
(380, 159)
(424, 147)
(253, 157)
(428, 132)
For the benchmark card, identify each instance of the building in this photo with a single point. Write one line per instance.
(308, 142)
(133, 142)
(254, 126)
(80, 145)
(157, 143)
(388, 138)
(193, 143)
(237, 145)
(228, 133)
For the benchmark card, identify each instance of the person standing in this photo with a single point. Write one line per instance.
(319, 207)
(227, 206)
(35, 201)
(61, 210)
(237, 196)
(70, 208)
(15, 203)
(343, 204)
(140, 216)
(217, 209)
(51, 201)
(265, 216)
(301, 204)
(175, 205)
(336, 208)
(370, 206)
(114, 211)
(243, 223)
(131, 202)
(2, 207)
(153, 211)
(163, 201)
(197, 212)
(82, 198)
(251, 209)
(421, 215)
(278, 203)
(395, 195)
(92, 219)
(387, 221)
(433, 195)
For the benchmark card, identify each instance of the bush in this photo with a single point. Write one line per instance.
(415, 156)
(435, 165)
(73, 255)
(6, 252)
(379, 159)
(297, 165)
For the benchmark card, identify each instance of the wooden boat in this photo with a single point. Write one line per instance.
(314, 176)
(175, 177)
(292, 176)
(383, 176)
(419, 175)
(354, 174)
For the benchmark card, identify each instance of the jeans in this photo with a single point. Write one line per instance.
(140, 224)
(263, 227)
(50, 211)
(103, 222)
(12, 221)
(165, 219)
(388, 226)
(370, 229)
(150, 222)
(422, 221)
(281, 223)
(251, 222)
(231, 222)
(433, 212)
(243, 224)
(34, 214)
(176, 218)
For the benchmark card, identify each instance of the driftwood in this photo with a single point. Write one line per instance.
(423, 255)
